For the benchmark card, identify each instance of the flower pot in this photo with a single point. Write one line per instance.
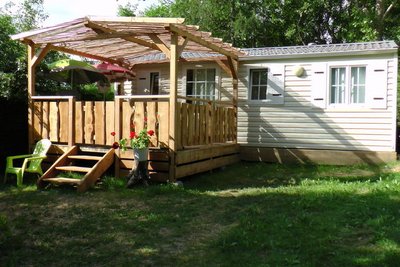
(141, 154)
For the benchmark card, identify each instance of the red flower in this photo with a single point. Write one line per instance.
(132, 135)
(113, 133)
(115, 145)
(150, 132)
(145, 119)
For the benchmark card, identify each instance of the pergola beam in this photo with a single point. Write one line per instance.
(201, 41)
(182, 45)
(38, 57)
(160, 44)
(82, 54)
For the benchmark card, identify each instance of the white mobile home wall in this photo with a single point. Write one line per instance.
(301, 130)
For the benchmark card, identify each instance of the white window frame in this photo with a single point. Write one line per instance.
(202, 66)
(251, 84)
(347, 94)
(275, 83)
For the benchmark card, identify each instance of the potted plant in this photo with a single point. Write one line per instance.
(138, 142)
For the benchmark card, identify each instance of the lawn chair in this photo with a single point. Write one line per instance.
(32, 162)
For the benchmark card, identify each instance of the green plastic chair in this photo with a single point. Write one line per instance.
(32, 162)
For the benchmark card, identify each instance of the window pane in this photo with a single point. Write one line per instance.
(200, 75)
(254, 92)
(263, 92)
(255, 78)
(210, 88)
(338, 85)
(200, 89)
(263, 77)
(190, 75)
(189, 89)
(358, 85)
(211, 75)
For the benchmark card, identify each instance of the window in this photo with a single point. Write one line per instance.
(258, 84)
(154, 83)
(347, 85)
(200, 83)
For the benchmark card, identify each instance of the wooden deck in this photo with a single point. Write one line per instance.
(205, 140)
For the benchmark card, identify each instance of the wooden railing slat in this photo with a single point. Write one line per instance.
(110, 114)
(99, 117)
(89, 123)
(63, 109)
(53, 121)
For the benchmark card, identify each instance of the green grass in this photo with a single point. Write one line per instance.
(249, 214)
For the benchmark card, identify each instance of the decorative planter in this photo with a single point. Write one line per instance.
(141, 154)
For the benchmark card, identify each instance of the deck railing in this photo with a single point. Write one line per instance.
(64, 120)
(205, 122)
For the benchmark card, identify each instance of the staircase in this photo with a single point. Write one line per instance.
(72, 161)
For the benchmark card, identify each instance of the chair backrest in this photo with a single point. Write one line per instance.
(42, 147)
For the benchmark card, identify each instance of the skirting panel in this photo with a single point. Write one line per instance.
(331, 157)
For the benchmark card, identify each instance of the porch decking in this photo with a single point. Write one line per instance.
(205, 138)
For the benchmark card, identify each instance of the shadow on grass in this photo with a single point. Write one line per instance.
(316, 220)
(251, 174)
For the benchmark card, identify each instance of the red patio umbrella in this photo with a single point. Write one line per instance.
(114, 72)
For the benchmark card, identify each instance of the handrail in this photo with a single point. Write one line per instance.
(209, 101)
(143, 97)
(53, 97)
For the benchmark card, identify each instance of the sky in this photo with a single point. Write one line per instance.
(65, 10)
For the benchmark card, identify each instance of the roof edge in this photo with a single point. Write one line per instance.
(321, 54)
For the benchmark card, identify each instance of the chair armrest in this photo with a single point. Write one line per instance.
(10, 159)
(19, 156)
(37, 157)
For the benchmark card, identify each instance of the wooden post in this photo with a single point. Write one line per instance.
(173, 104)
(234, 66)
(117, 130)
(31, 92)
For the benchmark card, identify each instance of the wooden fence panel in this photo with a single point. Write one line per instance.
(99, 123)
(63, 134)
(45, 119)
(79, 122)
(37, 120)
(140, 119)
(126, 116)
(183, 107)
(110, 122)
(53, 121)
(163, 124)
(89, 123)
(151, 116)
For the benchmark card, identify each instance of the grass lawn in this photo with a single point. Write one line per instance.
(249, 214)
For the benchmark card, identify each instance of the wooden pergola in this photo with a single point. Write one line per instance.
(122, 41)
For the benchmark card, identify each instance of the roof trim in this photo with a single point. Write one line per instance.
(325, 54)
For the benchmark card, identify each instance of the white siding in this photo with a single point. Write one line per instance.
(300, 124)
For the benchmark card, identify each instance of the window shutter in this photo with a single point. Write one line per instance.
(318, 85)
(276, 82)
(376, 84)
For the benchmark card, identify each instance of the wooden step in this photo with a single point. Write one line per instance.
(62, 181)
(74, 169)
(85, 157)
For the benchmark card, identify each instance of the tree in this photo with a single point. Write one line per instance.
(255, 23)
(127, 11)
(13, 61)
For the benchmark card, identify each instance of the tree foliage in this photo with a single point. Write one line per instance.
(255, 23)
(27, 15)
